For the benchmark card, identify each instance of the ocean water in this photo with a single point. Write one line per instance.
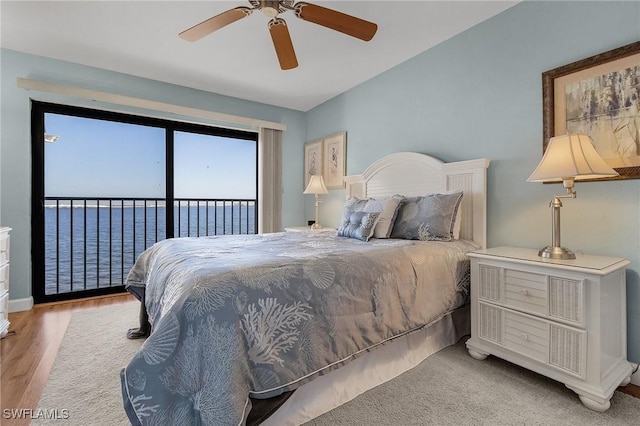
(94, 247)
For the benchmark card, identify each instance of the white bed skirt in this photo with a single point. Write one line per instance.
(370, 370)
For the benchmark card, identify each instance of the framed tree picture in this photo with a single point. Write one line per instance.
(334, 160)
(312, 160)
(599, 96)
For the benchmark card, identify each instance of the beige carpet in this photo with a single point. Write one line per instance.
(449, 388)
(85, 378)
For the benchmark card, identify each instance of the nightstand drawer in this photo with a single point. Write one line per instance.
(523, 334)
(4, 277)
(5, 241)
(4, 304)
(514, 288)
(526, 335)
(553, 344)
(535, 293)
(525, 291)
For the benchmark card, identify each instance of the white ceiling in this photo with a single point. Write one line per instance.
(141, 38)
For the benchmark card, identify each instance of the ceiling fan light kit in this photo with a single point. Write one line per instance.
(328, 18)
(272, 8)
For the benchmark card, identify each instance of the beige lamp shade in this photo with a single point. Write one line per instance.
(571, 156)
(316, 186)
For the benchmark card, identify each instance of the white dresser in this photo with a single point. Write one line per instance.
(4, 280)
(565, 319)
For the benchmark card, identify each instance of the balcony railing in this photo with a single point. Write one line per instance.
(91, 243)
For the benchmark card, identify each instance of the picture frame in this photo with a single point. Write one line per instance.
(334, 170)
(599, 96)
(312, 160)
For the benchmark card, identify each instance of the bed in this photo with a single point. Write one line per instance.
(309, 320)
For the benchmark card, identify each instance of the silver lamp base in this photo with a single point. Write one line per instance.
(551, 252)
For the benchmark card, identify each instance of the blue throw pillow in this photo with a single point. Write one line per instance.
(387, 207)
(428, 218)
(358, 225)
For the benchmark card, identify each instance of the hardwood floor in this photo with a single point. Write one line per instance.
(631, 389)
(28, 353)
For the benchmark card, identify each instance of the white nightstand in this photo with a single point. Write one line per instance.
(307, 229)
(565, 319)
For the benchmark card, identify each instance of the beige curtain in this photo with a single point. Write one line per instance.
(269, 181)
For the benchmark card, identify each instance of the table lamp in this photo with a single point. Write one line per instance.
(568, 158)
(316, 186)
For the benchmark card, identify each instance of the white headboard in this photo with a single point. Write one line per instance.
(411, 174)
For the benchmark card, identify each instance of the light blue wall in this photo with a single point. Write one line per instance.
(15, 142)
(479, 94)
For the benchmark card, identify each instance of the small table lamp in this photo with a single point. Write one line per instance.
(568, 158)
(316, 186)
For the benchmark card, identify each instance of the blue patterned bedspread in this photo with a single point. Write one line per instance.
(257, 315)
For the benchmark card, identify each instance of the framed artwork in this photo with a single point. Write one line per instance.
(312, 160)
(334, 160)
(599, 96)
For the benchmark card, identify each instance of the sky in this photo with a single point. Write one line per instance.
(99, 158)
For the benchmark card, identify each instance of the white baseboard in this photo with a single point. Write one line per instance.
(18, 305)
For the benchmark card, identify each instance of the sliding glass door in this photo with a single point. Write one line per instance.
(107, 186)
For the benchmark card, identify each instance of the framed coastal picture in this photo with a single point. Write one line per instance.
(599, 96)
(334, 160)
(312, 160)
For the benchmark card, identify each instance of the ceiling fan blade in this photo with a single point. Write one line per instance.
(282, 43)
(213, 24)
(347, 24)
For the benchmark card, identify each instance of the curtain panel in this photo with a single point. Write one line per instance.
(270, 180)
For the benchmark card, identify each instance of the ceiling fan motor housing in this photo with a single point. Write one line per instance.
(272, 8)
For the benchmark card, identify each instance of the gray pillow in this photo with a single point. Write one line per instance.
(357, 225)
(387, 207)
(429, 218)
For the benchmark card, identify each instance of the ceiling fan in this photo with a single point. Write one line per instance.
(347, 24)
